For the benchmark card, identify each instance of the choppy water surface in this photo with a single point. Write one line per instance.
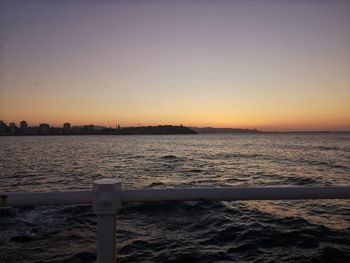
(264, 231)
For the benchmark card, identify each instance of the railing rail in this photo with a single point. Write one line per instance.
(107, 197)
(18, 199)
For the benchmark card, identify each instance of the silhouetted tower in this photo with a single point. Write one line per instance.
(3, 128)
(66, 128)
(44, 128)
(23, 127)
(13, 128)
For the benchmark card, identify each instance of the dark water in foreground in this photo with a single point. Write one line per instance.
(264, 231)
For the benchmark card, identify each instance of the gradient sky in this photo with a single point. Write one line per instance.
(272, 65)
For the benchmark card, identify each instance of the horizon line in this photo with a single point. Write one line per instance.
(196, 127)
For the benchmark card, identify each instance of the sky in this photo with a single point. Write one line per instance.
(272, 65)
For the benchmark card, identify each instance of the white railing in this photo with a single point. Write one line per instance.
(107, 197)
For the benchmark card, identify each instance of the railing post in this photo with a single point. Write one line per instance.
(106, 202)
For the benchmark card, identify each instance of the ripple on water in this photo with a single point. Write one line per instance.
(275, 231)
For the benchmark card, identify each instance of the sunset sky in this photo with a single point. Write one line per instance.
(271, 65)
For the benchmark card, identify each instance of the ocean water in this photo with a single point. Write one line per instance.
(250, 231)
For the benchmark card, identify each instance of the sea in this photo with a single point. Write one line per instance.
(240, 231)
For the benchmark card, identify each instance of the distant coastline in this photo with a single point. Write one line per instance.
(67, 129)
(44, 129)
(306, 131)
(224, 130)
(211, 130)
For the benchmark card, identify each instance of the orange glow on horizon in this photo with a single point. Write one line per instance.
(312, 124)
(266, 65)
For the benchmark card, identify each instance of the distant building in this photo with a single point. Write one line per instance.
(3, 128)
(66, 128)
(23, 127)
(44, 128)
(13, 128)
